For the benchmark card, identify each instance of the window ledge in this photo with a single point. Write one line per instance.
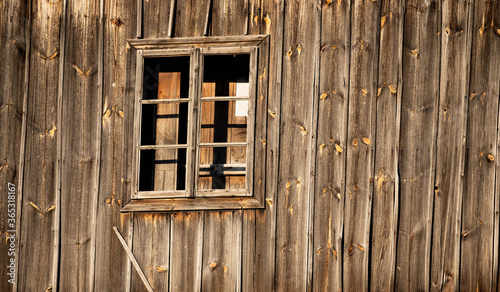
(191, 204)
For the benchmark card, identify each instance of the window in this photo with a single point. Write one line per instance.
(200, 105)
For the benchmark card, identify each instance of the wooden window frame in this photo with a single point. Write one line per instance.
(192, 198)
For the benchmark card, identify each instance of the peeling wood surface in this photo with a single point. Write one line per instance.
(399, 193)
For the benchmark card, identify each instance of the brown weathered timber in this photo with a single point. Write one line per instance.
(361, 138)
(417, 157)
(331, 145)
(151, 248)
(271, 22)
(79, 145)
(156, 18)
(386, 179)
(222, 251)
(452, 126)
(40, 153)
(118, 26)
(15, 40)
(300, 51)
(185, 251)
(229, 17)
(477, 261)
(191, 18)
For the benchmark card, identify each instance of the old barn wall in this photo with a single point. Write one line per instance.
(382, 148)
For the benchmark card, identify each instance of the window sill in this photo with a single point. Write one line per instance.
(191, 204)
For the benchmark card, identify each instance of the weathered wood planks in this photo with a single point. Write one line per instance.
(15, 40)
(39, 216)
(330, 163)
(385, 190)
(477, 261)
(110, 260)
(292, 222)
(452, 125)
(152, 250)
(80, 118)
(361, 138)
(417, 157)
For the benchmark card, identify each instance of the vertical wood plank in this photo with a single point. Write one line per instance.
(248, 251)
(222, 251)
(361, 138)
(477, 261)
(417, 142)
(14, 37)
(152, 231)
(331, 145)
(191, 18)
(156, 18)
(79, 146)
(292, 227)
(385, 191)
(39, 214)
(271, 21)
(186, 251)
(452, 124)
(112, 267)
(229, 17)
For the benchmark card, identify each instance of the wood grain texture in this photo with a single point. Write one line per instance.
(417, 142)
(476, 263)
(186, 251)
(118, 26)
(14, 37)
(229, 17)
(331, 145)
(452, 125)
(271, 21)
(386, 179)
(191, 18)
(361, 138)
(40, 154)
(222, 251)
(300, 45)
(152, 250)
(79, 145)
(156, 16)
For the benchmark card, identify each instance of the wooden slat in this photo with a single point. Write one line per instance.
(417, 157)
(385, 190)
(222, 251)
(164, 101)
(152, 250)
(186, 251)
(133, 259)
(229, 17)
(14, 67)
(156, 18)
(331, 146)
(452, 126)
(271, 21)
(191, 18)
(41, 151)
(477, 254)
(79, 146)
(300, 48)
(226, 203)
(365, 25)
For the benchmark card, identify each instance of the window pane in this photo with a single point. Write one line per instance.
(162, 170)
(166, 78)
(219, 122)
(222, 168)
(164, 124)
(222, 74)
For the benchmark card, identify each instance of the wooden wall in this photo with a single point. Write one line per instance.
(382, 148)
